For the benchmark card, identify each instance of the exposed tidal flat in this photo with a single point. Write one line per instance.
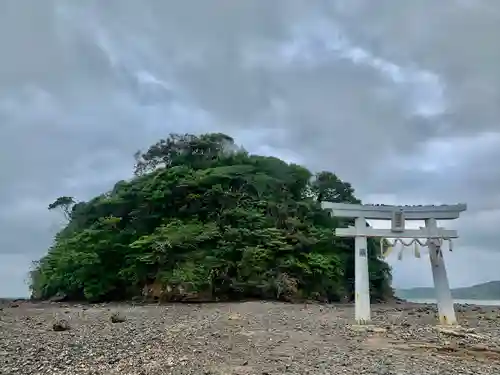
(244, 338)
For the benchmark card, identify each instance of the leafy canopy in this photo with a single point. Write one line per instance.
(204, 219)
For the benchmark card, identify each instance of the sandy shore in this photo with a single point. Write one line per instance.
(245, 338)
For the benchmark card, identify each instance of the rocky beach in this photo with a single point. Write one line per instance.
(243, 338)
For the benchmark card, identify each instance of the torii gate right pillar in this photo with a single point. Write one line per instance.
(446, 308)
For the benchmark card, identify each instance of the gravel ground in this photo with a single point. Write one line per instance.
(244, 338)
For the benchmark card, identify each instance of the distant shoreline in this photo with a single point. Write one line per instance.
(489, 291)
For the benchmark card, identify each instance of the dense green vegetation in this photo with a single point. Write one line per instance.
(203, 219)
(485, 291)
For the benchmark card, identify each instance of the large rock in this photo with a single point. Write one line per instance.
(59, 297)
(60, 325)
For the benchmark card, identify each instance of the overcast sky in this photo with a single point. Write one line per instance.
(401, 98)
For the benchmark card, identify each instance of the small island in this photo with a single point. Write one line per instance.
(204, 220)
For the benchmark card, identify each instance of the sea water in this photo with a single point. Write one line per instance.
(480, 302)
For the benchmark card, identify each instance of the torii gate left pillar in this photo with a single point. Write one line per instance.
(362, 276)
(398, 214)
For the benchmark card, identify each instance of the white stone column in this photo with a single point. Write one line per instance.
(362, 281)
(445, 304)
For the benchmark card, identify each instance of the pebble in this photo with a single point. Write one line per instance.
(244, 338)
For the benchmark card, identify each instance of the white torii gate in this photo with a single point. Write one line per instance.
(398, 215)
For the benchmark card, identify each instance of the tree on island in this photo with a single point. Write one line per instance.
(65, 204)
(205, 220)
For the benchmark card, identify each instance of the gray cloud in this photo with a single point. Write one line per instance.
(400, 99)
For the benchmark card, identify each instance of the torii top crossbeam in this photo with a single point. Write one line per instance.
(398, 215)
(386, 212)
